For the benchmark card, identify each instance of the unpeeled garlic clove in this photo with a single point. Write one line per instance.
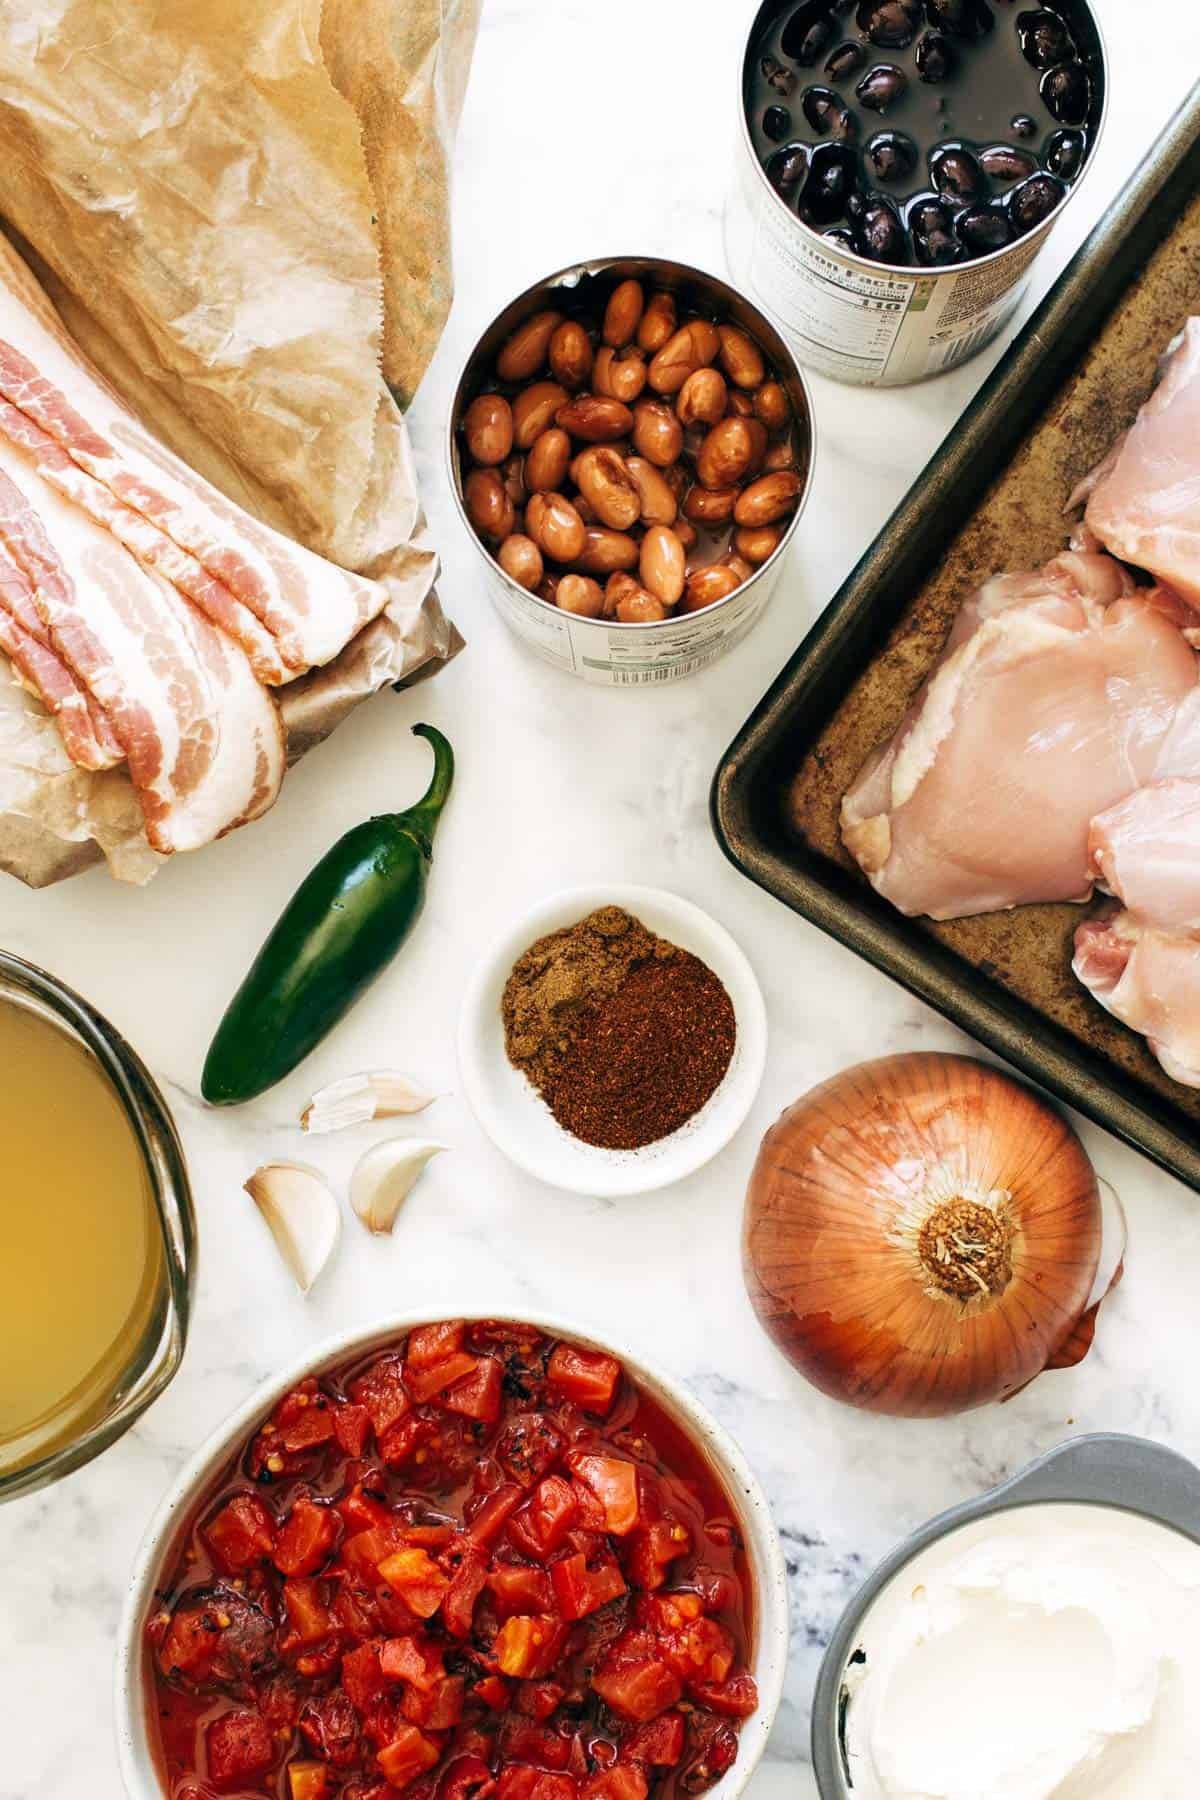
(385, 1175)
(298, 1206)
(357, 1099)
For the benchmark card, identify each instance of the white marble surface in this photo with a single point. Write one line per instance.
(588, 130)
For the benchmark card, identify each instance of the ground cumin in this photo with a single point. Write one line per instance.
(624, 1034)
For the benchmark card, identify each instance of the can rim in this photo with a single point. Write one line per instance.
(915, 272)
(570, 276)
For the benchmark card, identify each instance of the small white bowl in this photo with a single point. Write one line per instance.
(764, 1554)
(517, 1119)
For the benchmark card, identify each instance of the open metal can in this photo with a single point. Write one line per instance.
(869, 323)
(604, 651)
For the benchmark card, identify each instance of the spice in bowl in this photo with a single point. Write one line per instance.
(624, 1035)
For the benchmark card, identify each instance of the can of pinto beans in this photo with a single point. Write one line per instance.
(607, 650)
(944, 136)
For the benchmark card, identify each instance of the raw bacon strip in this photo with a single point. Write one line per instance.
(311, 607)
(201, 736)
(146, 542)
(86, 733)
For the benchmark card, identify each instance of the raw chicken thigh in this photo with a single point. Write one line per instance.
(1141, 959)
(1143, 501)
(1146, 851)
(1149, 978)
(1054, 698)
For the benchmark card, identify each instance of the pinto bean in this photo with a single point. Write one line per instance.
(488, 428)
(663, 564)
(525, 352)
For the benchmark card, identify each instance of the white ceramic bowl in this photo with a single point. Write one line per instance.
(763, 1550)
(520, 1123)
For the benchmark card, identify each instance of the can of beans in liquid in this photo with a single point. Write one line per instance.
(604, 651)
(853, 91)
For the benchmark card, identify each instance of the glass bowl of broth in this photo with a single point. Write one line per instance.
(97, 1233)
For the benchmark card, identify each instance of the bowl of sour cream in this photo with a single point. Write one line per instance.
(1039, 1643)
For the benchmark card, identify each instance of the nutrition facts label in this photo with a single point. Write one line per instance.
(876, 328)
(845, 320)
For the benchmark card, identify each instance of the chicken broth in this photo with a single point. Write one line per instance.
(81, 1261)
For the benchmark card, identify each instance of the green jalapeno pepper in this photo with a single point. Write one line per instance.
(340, 930)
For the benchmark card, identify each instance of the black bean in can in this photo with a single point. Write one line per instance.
(900, 164)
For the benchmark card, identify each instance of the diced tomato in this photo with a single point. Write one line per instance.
(637, 1690)
(363, 1553)
(478, 1395)
(701, 1651)
(382, 1392)
(441, 1708)
(434, 1535)
(524, 1741)
(351, 1427)
(329, 1725)
(241, 1746)
(653, 1548)
(580, 1590)
(308, 1536)
(363, 1508)
(308, 1615)
(490, 1520)
(408, 1755)
(713, 1588)
(308, 1781)
(313, 1426)
(545, 1519)
(356, 1611)
(404, 1441)
(493, 1692)
(415, 1576)
(516, 1588)
(466, 1778)
(528, 1647)
(529, 1446)
(736, 1698)
(538, 1699)
(519, 1782)
(242, 1534)
(469, 1561)
(430, 1344)
(659, 1741)
(417, 1660)
(363, 1677)
(671, 1612)
(618, 1783)
(613, 1481)
(425, 1383)
(587, 1378)
(217, 1634)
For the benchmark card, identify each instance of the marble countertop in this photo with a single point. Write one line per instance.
(588, 130)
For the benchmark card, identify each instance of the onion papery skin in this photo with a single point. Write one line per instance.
(827, 1248)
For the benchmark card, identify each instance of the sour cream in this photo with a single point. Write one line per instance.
(1047, 1653)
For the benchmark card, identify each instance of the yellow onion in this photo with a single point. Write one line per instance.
(922, 1235)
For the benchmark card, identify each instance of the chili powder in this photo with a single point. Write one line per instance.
(644, 1059)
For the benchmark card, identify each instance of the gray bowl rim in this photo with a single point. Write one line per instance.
(1103, 1468)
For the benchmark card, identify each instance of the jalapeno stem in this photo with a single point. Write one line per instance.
(421, 819)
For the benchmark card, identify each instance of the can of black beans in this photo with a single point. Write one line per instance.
(900, 163)
(632, 524)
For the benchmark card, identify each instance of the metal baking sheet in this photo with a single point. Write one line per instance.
(990, 499)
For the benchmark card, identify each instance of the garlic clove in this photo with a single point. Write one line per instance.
(302, 1214)
(357, 1099)
(384, 1177)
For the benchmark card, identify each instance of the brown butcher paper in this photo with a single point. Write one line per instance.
(241, 209)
